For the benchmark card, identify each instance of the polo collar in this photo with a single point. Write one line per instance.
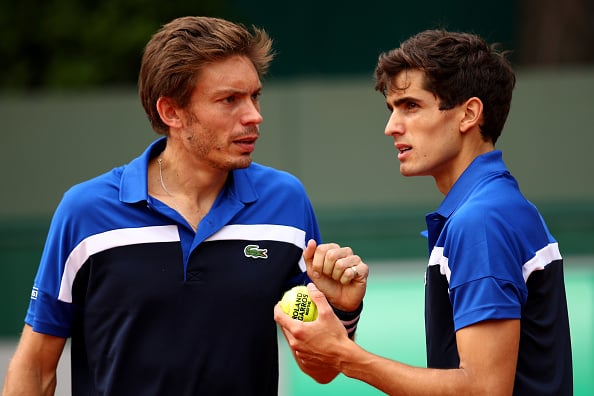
(483, 165)
(134, 181)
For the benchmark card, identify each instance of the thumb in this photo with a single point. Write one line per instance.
(308, 255)
(310, 249)
(318, 297)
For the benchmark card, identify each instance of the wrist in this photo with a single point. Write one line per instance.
(349, 319)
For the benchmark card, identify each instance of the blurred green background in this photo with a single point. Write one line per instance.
(70, 111)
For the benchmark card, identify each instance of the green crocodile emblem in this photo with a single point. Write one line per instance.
(254, 251)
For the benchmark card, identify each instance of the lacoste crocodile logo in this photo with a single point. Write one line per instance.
(254, 251)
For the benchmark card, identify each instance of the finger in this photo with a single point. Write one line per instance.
(326, 316)
(279, 314)
(349, 274)
(308, 256)
(319, 264)
(342, 267)
(354, 271)
(284, 320)
(332, 256)
(318, 298)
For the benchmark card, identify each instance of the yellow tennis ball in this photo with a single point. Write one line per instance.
(297, 304)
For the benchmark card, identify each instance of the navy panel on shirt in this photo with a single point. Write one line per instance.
(225, 302)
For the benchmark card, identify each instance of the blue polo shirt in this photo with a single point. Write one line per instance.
(154, 308)
(492, 257)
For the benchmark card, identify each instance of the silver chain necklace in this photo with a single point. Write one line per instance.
(160, 161)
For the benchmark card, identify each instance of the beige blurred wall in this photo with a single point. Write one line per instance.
(327, 132)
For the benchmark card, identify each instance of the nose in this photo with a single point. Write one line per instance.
(252, 115)
(394, 126)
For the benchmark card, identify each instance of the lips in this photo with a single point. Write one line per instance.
(247, 143)
(246, 140)
(403, 150)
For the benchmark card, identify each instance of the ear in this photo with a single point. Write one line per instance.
(473, 114)
(169, 112)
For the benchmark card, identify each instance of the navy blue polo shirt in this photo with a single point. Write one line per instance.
(154, 308)
(492, 257)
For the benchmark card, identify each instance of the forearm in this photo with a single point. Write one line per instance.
(395, 378)
(22, 380)
(32, 370)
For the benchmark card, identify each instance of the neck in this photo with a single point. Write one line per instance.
(192, 199)
(446, 179)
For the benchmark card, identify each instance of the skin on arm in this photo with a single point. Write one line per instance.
(32, 370)
(488, 354)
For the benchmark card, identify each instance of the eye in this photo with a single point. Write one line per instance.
(411, 105)
(230, 99)
(256, 96)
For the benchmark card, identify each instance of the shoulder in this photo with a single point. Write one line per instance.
(258, 170)
(263, 177)
(277, 195)
(496, 199)
(92, 192)
(497, 222)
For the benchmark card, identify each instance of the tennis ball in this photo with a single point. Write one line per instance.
(297, 304)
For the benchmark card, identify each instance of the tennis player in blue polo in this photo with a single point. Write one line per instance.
(165, 272)
(495, 306)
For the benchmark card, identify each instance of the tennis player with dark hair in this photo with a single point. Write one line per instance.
(495, 306)
(165, 272)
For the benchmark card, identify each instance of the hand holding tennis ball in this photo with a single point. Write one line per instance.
(297, 304)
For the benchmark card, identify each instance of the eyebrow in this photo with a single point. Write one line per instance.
(236, 91)
(229, 91)
(400, 101)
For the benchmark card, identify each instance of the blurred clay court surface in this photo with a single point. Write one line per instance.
(392, 326)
